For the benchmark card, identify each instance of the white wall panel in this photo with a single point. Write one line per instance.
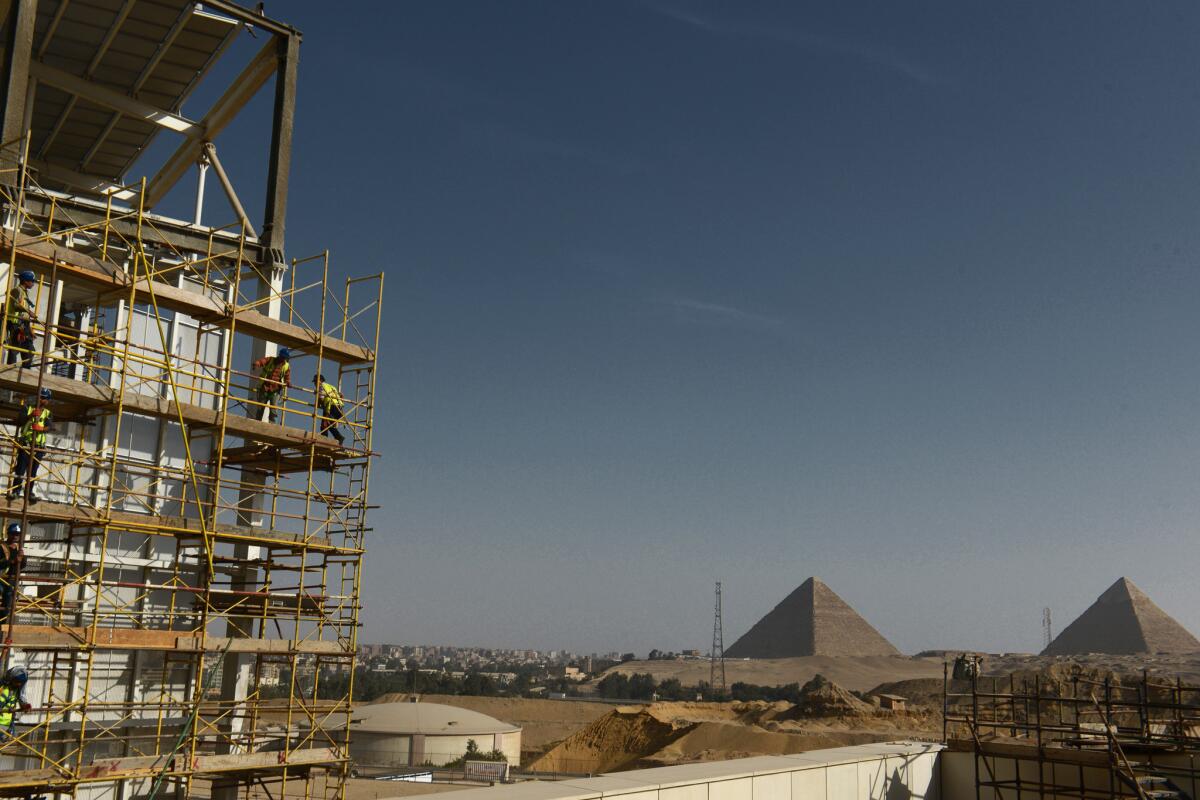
(741, 789)
(842, 782)
(773, 787)
(808, 784)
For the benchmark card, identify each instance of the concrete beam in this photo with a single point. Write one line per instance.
(102, 95)
(171, 234)
(210, 151)
(255, 18)
(92, 184)
(280, 164)
(18, 51)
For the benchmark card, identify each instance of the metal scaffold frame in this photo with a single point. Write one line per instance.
(178, 607)
(1080, 735)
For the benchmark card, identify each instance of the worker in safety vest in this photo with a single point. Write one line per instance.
(329, 406)
(12, 700)
(32, 426)
(11, 559)
(274, 379)
(22, 313)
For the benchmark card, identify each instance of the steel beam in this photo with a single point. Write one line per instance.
(240, 92)
(19, 49)
(255, 18)
(102, 95)
(279, 167)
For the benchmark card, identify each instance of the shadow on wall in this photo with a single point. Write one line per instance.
(897, 787)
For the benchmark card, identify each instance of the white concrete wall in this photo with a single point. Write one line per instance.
(891, 771)
(380, 749)
(510, 745)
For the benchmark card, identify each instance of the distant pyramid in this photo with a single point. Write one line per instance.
(1123, 620)
(811, 621)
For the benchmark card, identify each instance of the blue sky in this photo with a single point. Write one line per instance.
(899, 295)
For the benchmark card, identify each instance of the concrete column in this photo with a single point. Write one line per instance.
(19, 50)
(280, 164)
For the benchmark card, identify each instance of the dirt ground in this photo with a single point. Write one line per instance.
(570, 736)
(858, 673)
(630, 737)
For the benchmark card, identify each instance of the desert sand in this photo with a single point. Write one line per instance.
(858, 673)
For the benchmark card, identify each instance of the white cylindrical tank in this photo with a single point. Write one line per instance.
(427, 734)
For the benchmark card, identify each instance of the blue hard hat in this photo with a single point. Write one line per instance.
(45, 393)
(285, 353)
(14, 528)
(17, 675)
(26, 275)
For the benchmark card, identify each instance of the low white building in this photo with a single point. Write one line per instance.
(414, 734)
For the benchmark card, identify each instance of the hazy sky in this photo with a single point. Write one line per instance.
(900, 295)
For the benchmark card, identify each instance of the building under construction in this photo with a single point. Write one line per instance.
(192, 561)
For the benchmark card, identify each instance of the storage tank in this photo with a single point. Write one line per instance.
(416, 734)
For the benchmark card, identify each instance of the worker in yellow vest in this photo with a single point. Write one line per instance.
(329, 407)
(22, 313)
(12, 700)
(274, 379)
(32, 426)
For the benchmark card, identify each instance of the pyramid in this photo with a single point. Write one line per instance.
(1123, 620)
(811, 621)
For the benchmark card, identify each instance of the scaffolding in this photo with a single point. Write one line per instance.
(1075, 734)
(168, 590)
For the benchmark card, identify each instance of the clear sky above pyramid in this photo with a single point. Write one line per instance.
(811, 621)
(903, 295)
(1123, 620)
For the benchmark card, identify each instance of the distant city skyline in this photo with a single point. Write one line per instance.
(900, 296)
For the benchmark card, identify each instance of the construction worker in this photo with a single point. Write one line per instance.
(12, 700)
(22, 313)
(11, 558)
(32, 426)
(273, 382)
(329, 405)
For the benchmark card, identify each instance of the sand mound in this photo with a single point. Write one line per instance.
(671, 733)
(709, 741)
(617, 740)
(821, 697)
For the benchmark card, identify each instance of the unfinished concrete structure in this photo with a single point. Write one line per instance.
(187, 559)
(1123, 620)
(1078, 736)
(811, 621)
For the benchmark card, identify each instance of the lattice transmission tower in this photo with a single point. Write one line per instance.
(1047, 632)
(716, 659)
